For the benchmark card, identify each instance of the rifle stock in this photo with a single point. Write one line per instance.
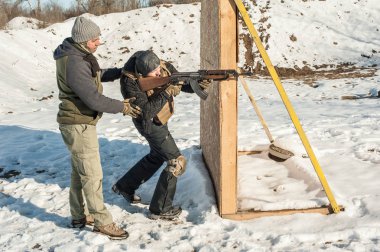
(148, 83)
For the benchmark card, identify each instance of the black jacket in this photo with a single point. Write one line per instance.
(150, 105)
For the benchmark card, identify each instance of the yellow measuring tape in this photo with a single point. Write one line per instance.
(288, 105)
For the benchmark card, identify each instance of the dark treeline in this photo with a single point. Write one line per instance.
(52, 12)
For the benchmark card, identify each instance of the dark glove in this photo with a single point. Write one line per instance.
(205, 84)
(130, 108)
(173, 90)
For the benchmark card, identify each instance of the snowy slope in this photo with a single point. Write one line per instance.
(315, 33)
(34, 209)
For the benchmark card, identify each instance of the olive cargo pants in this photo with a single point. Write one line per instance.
(86, 174)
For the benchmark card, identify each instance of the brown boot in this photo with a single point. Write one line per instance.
(112, 231)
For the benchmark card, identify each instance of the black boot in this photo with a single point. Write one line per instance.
(171, 214)
(131, 198)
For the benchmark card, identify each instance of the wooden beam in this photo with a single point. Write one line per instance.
(247, 215)
(228, 102)
(219, 111)
(210, 134)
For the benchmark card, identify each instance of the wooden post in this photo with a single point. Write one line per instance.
(219, 111)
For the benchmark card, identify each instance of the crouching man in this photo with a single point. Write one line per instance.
(157, 107)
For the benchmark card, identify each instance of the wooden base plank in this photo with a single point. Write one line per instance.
(247, 215)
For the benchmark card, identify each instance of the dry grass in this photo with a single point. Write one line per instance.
(53, 13)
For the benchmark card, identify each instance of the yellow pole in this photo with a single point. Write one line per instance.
(288, 105)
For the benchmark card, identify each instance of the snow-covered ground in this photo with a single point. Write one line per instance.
(34, 209)
(317, 32)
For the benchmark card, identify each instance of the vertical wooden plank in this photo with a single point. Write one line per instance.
(210, 133)
(228, 97)
(219, 111)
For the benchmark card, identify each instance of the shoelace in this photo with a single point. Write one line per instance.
(115, 228)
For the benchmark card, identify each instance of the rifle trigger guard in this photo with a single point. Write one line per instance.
(197, 89)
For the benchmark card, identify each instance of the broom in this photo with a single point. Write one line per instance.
(276, 153)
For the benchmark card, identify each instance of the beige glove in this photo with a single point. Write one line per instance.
(130, 108)
(173, 90)
(205, 84)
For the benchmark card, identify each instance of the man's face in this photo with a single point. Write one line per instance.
(155, 73)
(93, 44)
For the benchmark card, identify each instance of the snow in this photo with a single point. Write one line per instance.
(325, 32)
(20, 23)
(344, 134)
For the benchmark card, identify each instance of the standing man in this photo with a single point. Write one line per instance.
(157, 107)
(82, 104)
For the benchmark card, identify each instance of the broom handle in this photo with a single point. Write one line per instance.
(257, 110)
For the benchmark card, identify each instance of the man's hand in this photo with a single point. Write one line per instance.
(205, 84)
(130, 108)
(173, 90)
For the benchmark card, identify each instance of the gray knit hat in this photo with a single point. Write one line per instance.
(84, 30)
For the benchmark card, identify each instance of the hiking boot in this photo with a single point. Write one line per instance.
(131, 198)
(111, 231)
(172, 214)
(81, 223)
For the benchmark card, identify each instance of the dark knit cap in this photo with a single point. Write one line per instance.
(84, 30)
(146, 62)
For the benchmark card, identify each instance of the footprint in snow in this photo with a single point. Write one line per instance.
(115, 120)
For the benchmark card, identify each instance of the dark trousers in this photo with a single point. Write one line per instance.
(162, 148)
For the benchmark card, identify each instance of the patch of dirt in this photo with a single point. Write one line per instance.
(293, 38)
(124, 49)
(37, 246)
(45, 98)
(309, 76)
(249, 54)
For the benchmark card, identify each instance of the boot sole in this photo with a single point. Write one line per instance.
(160, 217)
(81, 226)
(112, 237)
(134, 201)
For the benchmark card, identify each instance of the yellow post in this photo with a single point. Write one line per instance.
(288, 105)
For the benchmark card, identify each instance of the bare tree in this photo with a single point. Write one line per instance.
(9, 10)
(3, 14)
(53, 12)
(38, 10)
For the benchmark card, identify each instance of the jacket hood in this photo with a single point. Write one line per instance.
(67, 48)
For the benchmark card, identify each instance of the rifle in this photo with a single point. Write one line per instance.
(192, 78)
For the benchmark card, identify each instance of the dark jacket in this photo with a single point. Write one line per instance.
(150, 105)
(80, 89)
